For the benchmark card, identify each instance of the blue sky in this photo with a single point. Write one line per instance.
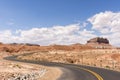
(26, 14)
(18, 16)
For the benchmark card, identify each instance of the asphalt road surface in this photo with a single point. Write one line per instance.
(77, 72)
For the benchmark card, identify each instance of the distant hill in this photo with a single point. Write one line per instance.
(94, 43)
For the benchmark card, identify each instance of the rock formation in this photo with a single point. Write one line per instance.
(99, 40)
(99, 43)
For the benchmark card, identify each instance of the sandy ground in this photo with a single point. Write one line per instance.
(10, 70)
(52, 74)
(76, 54)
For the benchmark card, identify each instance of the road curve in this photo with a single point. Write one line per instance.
(77, 72)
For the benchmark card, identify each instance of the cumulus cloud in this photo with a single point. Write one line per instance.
(108, 24)
(53, 35)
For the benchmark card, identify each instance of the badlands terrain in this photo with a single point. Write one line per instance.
(97, 52)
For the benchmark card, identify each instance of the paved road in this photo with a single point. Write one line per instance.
(78, 72)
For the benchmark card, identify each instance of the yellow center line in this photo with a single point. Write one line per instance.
(92, 72)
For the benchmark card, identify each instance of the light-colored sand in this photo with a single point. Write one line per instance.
(52, 74)
(9, 69)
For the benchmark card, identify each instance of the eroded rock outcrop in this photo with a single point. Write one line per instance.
(99, 40)
(100, 43)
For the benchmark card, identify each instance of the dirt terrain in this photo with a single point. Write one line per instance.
(19, 71)
(104, 58)
(11, 70)
(97, 52)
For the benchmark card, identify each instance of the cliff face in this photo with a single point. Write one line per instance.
(98, 40)
(99, 43)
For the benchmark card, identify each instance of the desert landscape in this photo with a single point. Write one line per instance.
(97, 52)
(59, 39)
(13, 70)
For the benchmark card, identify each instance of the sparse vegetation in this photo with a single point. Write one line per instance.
(75, 54)
(97, 58)
(108, 67)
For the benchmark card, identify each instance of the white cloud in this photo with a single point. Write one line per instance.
(108, 24)
(53, 35)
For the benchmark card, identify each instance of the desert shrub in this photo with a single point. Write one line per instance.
(107, 67)
(94, 64)
(5, 49)
(17, 65)
(88, 63)
(69, 60)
